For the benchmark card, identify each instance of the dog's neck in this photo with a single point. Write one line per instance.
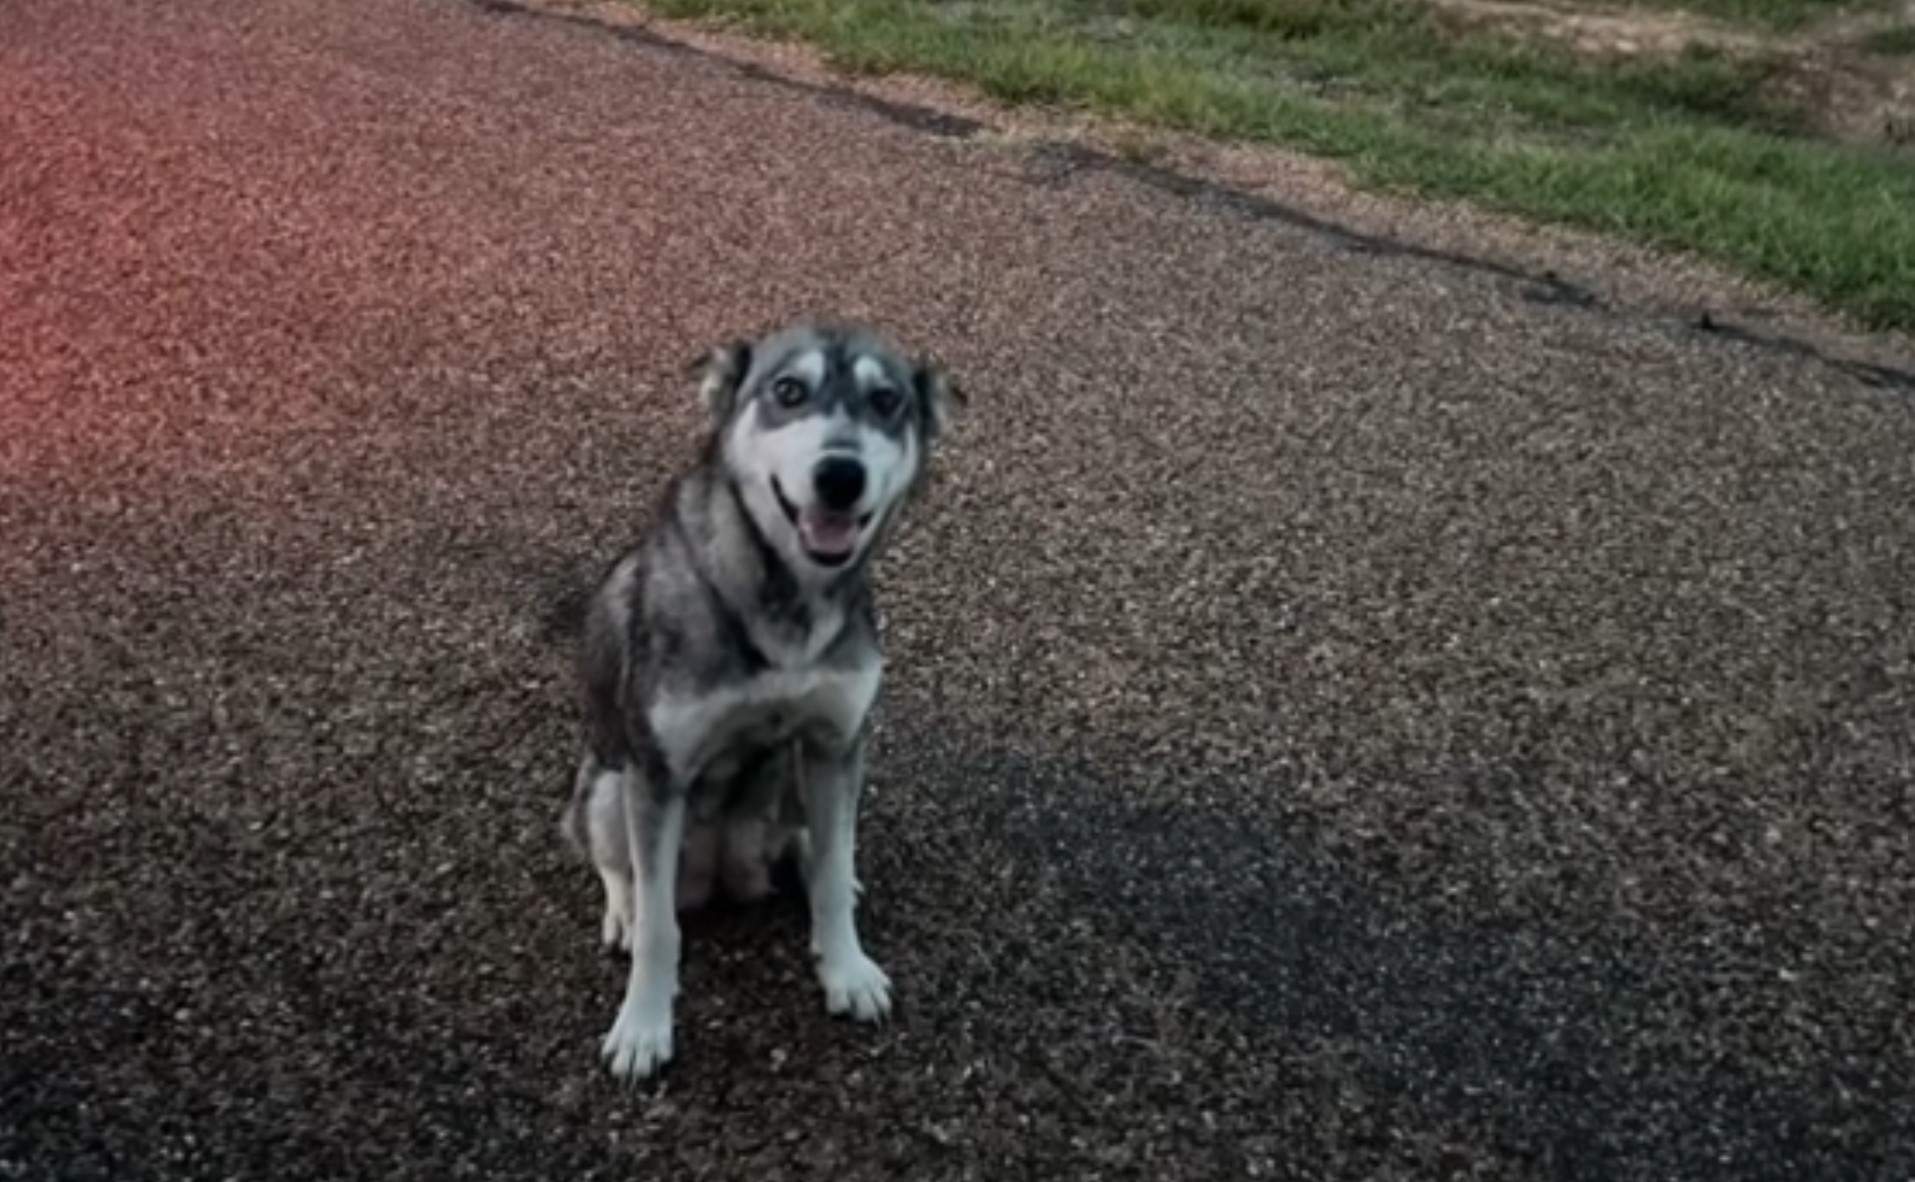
(791, 617)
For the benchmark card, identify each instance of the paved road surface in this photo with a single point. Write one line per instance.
(1355, 715)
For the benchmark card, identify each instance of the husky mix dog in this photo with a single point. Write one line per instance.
(731, 660)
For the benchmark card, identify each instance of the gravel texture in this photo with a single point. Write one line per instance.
(1354, 714)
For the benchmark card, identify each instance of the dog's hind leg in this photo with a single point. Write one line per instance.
(640, 1041)
(853, 983)
(698, 863)
(747, 862)
(602, 807)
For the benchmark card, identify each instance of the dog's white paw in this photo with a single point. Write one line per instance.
(855, 985)
(615, 931)
(640, 1042)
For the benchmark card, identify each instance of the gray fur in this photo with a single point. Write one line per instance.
(729, 661)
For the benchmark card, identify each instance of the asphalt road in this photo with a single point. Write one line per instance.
(1354, 713)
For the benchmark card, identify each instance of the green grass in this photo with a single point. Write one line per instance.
(1692, 153)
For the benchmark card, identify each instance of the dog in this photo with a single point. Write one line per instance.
(730, 662)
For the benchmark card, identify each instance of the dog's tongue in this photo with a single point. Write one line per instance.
(829, 533)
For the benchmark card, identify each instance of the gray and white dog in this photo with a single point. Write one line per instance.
(731, 660)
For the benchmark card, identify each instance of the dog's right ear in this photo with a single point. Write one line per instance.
(721, 371)
(943, 398)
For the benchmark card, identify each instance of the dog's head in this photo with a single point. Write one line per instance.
(826, 431)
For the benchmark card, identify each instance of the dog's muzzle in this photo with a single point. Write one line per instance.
(829, 527)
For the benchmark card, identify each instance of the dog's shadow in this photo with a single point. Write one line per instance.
(1554, 1040)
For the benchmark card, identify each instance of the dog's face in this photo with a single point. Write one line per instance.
(826, 431)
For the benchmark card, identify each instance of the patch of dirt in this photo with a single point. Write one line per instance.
(1602, 32)
(1854, 95)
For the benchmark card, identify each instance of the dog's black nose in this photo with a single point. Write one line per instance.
(839, 481)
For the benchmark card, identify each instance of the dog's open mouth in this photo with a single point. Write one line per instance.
(829, 538)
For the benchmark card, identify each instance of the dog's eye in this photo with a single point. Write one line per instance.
(886, 401)
(789, 391)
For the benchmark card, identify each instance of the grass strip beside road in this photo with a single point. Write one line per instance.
(1699, 152)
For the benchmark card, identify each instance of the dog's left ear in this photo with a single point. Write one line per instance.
(721, 371)
(942, 397)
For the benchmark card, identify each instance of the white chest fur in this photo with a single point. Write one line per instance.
(779, 704)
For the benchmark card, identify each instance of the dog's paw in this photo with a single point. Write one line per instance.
(639, 1044)
(615, 930)
(856, 986)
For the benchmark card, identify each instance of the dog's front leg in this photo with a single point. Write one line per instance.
(641, 1040)
(853, 984)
